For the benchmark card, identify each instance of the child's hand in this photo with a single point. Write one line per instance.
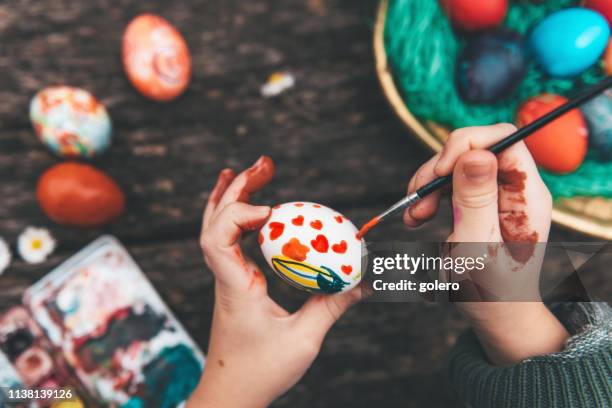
(497, 199)
(257, 349)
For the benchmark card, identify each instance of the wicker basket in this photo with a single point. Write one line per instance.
(590, 215)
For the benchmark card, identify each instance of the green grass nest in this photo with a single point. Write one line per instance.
(421, 48)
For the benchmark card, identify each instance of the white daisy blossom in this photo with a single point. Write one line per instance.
(277, 83)
(5, 256)
(35, 245)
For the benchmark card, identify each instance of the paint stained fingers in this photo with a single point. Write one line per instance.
(470, 138)
(525, 203)
(226, 176)
(247, 182)
(220, 241)
(426, 208)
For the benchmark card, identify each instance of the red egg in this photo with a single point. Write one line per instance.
(156, 58)
(604, 7)
(472, 15)
(607, 59)
(77, 194)
(560, 146)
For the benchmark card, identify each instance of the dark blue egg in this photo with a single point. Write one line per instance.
(598, 115)
(490, 66)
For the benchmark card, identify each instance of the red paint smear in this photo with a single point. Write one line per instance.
(316, 224)
(299, 204)
(223, 181)
(240, 258)
(512, 180)
(339, 248)
(316, 206)
(295, 250)
(256, 176)
(347, 269)
(257, 279)
(339, 219)
(320, 243)
(367, 227)
(299, 221)
(260, 238)
(276, 230)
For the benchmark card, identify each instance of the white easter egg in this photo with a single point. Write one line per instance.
(312, 247)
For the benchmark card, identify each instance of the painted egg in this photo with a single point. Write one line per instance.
(77, 194)
(598, 115)
(156, 58)
(70, 121)
(607, 59)
(561, 145)
(473, 15)
(490, 66)
(312, 247)
(569, 41)
(604, 7)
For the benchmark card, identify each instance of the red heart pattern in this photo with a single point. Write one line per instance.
(339, 248)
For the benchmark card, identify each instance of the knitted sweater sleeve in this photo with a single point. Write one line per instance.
(578, 376)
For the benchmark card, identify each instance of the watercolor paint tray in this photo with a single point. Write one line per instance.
(114, 330)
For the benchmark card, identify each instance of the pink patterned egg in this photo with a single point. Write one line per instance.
(312, 247)
(156, 58)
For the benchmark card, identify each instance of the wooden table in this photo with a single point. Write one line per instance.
(333, 138)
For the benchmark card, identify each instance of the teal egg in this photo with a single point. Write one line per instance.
(70, 121)
(598, 115)
(569, 41)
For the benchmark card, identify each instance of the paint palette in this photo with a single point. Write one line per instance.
(31, 356)
(312, 247)
(9, 380)
(114, 330)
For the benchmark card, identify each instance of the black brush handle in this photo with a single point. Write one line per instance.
(527, 130)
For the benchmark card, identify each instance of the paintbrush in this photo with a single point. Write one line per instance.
(498, 147)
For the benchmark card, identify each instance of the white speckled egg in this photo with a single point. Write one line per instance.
(312, 247)
(70, 121)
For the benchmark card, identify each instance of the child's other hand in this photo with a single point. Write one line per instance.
(257, 349)
(497, 199)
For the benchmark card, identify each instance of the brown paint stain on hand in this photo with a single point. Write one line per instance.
(514, 225)
(521, 239)
(512, 180)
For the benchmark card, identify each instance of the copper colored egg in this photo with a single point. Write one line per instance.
(156, 58)
(79, 195)
(560, 146)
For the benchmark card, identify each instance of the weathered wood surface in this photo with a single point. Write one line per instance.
(333, 138)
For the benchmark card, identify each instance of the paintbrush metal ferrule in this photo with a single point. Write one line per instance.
(405, 202)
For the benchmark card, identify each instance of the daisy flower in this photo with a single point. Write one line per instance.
(35, 245)
(277, 83)
(5, 256)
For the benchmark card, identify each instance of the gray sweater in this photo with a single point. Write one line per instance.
(578, 376)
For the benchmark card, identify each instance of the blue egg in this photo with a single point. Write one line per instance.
(490, 66)
(598, 115)
(569, 41)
